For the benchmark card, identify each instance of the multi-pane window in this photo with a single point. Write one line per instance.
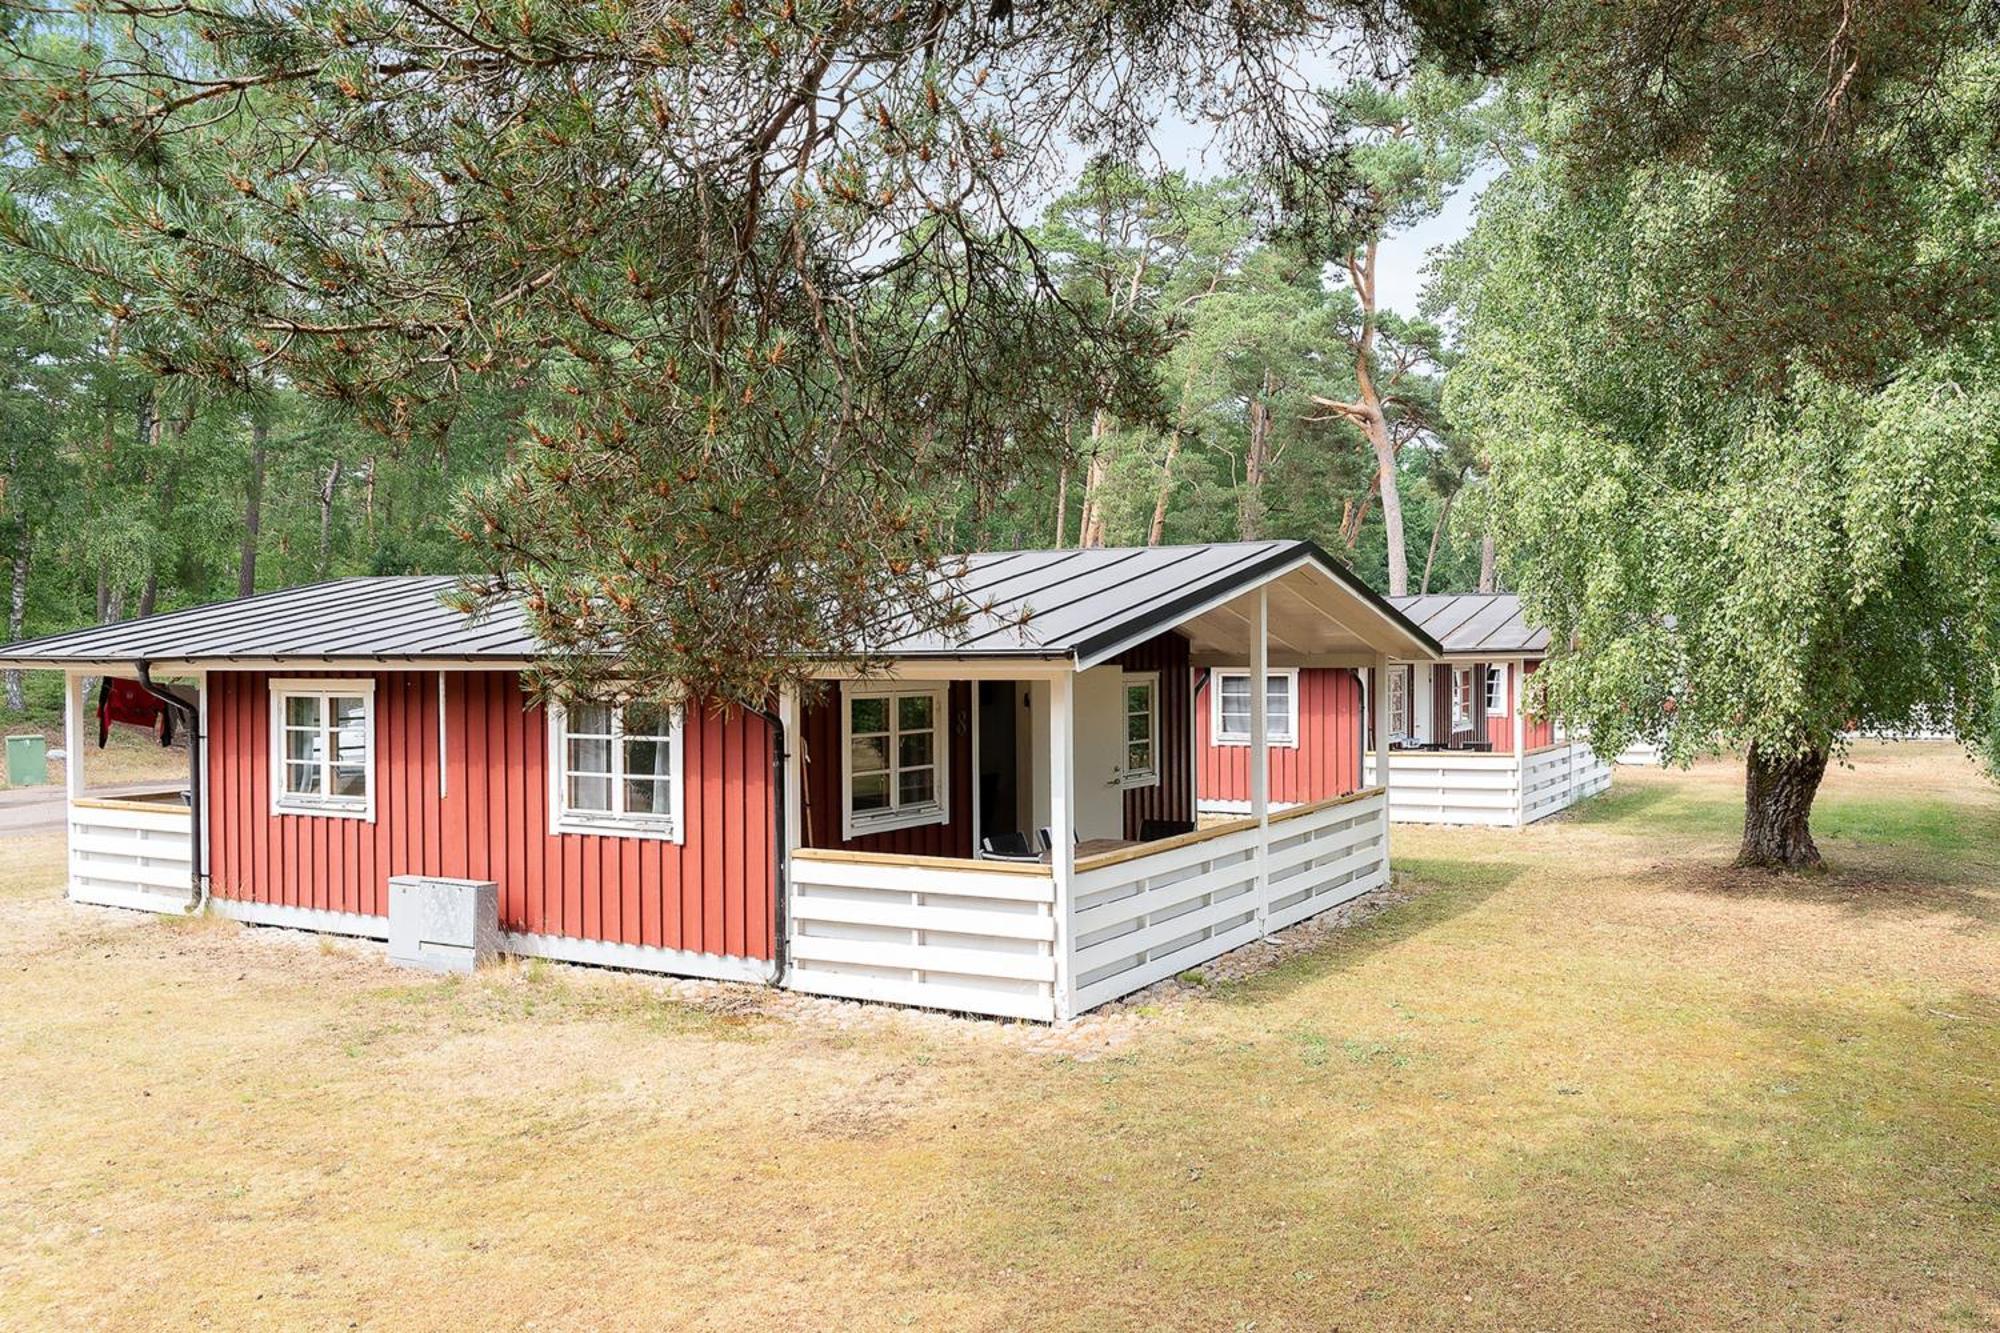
(896, 743)
(1232, 707)
(324, 734)
(1461, 698)
(1399, 701)
(1142, 730)
(1496, 691)
(617, 768)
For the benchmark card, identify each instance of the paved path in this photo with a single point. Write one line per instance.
(31, 810)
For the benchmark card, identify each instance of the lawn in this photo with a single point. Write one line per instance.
(1580, 1077)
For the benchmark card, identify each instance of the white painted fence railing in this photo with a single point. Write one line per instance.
(1464, 787)
(977, 936)
(983, 936)
(1145, 913)
(1639, 753)
(131, 852)
(1324, 854)
(1558, 776)
(1451, 787)
(1138, 918)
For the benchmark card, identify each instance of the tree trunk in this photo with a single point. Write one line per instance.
(1392, 510)
(1489, 565)
(1256, 462)
(1158, 530)
(1091, 520)
(1375, 423)
(17, 614)
(1777, 807)
(1062, 504)
(328, 489)
(1437, 529)
(253, 508)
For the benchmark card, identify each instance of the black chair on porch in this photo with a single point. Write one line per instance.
(1152, 830)
(1007, 847)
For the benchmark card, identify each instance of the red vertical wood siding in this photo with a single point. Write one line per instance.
(824, 802)
(1326, 762)
(1172, 797)
(1539, 731)
(1442, 736)
(710, 894)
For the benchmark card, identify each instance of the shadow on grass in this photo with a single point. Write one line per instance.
(1616, 805)
(1857, 889)
(1430, 892)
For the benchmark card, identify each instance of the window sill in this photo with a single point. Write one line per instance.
(861, 827)
(313, 810)
(1288, 743)
(1132, 781)
(611, 826)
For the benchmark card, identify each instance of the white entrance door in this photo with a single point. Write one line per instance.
(1100, 753)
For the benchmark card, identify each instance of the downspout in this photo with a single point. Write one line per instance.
(780, 758)
(191, 722)
(1194, 737)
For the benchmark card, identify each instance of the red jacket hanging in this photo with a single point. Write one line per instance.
(129, 702)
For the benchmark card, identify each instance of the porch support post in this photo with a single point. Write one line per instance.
(791, 716)
(1380, 704)
(73, 735)
(1519, 673)
(1062, 831)
(1260, 749)
(72, 765)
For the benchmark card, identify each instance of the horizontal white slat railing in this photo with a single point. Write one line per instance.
(1145, 913)
(1321, 856)
(1450, 787)
(1135, 919)
(131, 852)
(973, 936)
(1558, 776)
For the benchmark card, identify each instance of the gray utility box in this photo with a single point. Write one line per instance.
(443, 925)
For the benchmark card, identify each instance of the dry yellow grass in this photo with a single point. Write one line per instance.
(1582, 1079)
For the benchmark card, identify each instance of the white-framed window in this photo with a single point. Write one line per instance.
(1496, 691)
(1230, 707)
(1142, 730)
(323, 748)
(895, 755)
(615, 768)
(1399, 700)
(1461, 698)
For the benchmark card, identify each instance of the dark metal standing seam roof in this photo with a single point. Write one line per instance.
(1042, 604)
(360, 619)
(1469, 623)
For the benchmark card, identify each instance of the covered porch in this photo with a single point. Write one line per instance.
(1013, 832)
(1463, 748)
(131, 844)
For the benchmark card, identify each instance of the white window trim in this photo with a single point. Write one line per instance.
(1403, 674)
(1461, 721)
(667, 828)
(328, 807)
(1131, 778)
(1496, 675)
(932, 812)
(1289, 741)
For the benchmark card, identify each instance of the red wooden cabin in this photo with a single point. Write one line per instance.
(1465, 749)
(1001, 822)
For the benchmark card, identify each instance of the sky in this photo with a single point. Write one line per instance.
(1399, 268)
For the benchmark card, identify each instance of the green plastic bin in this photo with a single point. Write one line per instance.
(27, 761)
